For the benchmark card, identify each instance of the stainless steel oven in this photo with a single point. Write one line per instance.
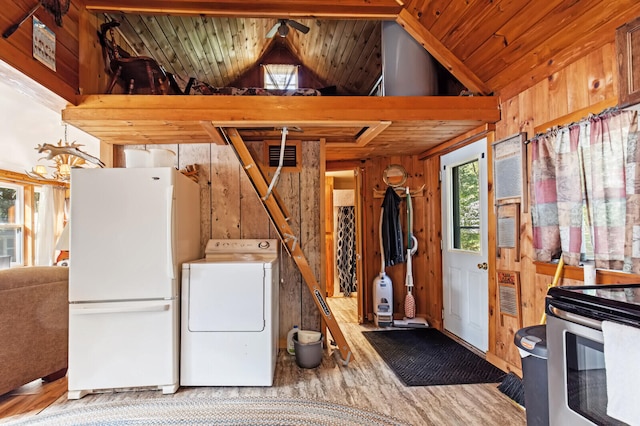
(575, 364)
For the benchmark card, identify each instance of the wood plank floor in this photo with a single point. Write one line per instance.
(365, 383)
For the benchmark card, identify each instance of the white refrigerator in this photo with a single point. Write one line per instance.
(130, 231)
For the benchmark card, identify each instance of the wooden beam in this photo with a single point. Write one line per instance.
(214, 132)
(576, 115)
(345, 9)
(458, 142)
(275, 110)
(440, 52)
(245, 124)
(106, 154)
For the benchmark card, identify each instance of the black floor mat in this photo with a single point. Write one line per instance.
(426, 357)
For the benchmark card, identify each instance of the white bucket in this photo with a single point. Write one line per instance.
(137, 158)
(162, 157)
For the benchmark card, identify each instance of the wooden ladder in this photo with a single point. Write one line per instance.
(277, 213)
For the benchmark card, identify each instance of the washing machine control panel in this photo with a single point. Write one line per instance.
(242, 246)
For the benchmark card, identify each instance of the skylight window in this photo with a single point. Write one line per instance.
(281, 77)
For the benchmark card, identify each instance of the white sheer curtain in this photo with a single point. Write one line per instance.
(50, 223)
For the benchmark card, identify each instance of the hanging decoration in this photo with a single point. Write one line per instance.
(65, 156)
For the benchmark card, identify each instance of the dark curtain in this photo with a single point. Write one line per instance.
(346, 254)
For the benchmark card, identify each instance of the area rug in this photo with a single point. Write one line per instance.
(427, 357)
(257, 411)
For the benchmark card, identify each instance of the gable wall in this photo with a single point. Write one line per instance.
(278, 54)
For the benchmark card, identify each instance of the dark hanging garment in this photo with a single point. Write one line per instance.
(391, 229)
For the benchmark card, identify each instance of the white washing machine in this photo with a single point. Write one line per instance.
(230, 315)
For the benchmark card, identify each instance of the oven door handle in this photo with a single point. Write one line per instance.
(578, 319)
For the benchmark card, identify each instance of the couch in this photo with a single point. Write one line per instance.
(34, 325)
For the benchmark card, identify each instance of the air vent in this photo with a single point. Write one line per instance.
(290, 156)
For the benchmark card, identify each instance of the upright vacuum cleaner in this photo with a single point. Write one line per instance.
(382, 291)
(410, 320)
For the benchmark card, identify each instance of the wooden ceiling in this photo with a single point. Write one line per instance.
(220, 50)
(492, 47)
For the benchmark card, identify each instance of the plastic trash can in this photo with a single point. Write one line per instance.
(532, 343)
(308, 355)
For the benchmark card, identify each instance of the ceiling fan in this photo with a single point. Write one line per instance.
(282, 28)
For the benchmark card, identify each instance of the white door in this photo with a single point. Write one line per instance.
(464, 251)
(123, 344)
(121, 234)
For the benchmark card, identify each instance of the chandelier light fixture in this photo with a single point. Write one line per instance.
(65, 156)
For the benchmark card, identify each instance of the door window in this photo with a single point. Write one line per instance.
(465, 188)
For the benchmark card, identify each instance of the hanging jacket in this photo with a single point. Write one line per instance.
(391, 229)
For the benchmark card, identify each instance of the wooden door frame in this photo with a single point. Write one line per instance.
(330, 252)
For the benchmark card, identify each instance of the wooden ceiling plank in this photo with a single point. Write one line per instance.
(495, 47)
(371, 71)
(334, 49)
(539, 43)
(181, 44)
(194, 46)
(229, 54)
(429, 11)
(365, 32)
(351, 33)
(561, 50)
(442, 54)
(368, 44)
(164, 35)
(234, 34)
(327, 38)
(458, 141)
(135, 30)
(480, 26)
(212, 65)
(451, 17)
(223, 63)
(350, 9)
(363, 140)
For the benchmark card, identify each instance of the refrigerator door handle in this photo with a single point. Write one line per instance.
(170, 224)
(120, 309)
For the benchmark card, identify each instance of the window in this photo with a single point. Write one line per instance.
(466, 199)
(586, 190)
(12, 222)
(282, 77)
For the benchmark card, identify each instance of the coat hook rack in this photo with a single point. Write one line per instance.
(401, 191)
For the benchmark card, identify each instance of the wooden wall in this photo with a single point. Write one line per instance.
(589, 81)
(16, 50)
(427, 286)
(230, 208)
(586, 82)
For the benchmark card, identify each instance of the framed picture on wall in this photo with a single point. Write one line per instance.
(509, 170)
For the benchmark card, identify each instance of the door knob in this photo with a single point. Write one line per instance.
(483, 266)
